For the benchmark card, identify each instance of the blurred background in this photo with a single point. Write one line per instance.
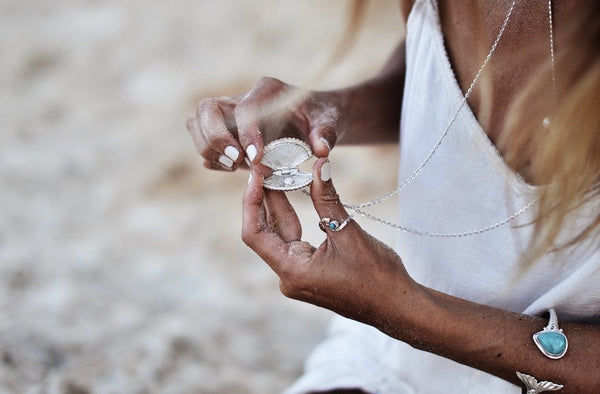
(121, 264)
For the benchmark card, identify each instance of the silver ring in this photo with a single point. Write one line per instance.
(551, 341)
(333, 225)
(533, 386)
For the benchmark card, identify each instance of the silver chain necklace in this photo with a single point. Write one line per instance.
(358, 208)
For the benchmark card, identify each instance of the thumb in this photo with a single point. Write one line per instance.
(326, 200)
(322, 140)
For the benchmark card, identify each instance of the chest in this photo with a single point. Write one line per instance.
(521, 60)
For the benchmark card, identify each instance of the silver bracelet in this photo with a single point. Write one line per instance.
(551, 341)
(533, 386)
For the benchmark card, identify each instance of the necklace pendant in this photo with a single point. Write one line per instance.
(546, 123)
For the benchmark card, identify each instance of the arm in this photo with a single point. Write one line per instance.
(492, 340)
(356, 276)
(373, 107)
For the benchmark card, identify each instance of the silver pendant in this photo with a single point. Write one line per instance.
(283, 156)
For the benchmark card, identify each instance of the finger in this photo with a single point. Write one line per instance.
(255, 229)
(262, 100)
(322, 140)
(282, 217)
(212, 115)
(247, 117)
(325, 198)
(204, 149)
(211, 165)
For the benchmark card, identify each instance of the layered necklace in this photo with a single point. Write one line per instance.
(359, 208)
(283, 172)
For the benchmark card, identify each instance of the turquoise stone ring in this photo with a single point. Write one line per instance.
(333, 225)
(551, 341)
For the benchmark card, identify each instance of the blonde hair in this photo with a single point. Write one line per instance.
(567, 162)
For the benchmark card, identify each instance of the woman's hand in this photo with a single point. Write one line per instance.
(224, 128)
(357, 276)
(227, 129)
(351, 273)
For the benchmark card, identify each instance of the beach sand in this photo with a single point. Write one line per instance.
(121, 265)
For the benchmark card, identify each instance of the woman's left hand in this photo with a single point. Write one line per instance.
(351, 273)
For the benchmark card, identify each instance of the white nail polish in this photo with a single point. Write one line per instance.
(226, 161)
(250, 178)
(325, 142)
(232, 152)
(251, 152)
(326, 172)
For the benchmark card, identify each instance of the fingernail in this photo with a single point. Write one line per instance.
(251, 152)
(250, 178)
(232, 152)
(226, 161)
(326, 172)
(326, 143)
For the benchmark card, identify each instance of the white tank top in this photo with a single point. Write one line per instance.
(465, 186)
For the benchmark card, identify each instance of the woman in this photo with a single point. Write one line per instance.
(454, 313)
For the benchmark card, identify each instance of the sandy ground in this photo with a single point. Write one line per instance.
(121, 265)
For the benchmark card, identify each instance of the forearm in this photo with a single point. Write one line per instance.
(493, 340)
(372, 108)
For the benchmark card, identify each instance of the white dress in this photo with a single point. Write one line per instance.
(465, 186)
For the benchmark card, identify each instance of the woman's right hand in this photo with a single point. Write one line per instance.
(226, 130)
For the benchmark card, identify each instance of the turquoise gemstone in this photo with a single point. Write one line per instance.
(553, 342)
(333, 225)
